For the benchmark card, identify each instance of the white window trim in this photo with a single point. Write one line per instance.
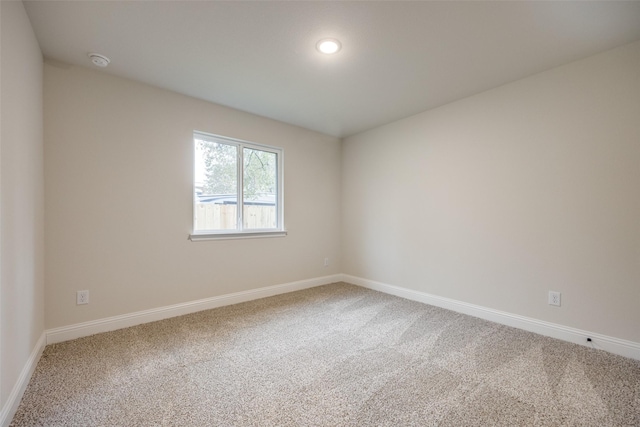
(279, 231)
(198, 237)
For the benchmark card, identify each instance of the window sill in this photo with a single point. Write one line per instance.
(243, 235)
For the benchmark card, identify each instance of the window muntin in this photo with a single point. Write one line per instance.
(237, 187)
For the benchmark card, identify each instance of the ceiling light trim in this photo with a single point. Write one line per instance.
(329, 46)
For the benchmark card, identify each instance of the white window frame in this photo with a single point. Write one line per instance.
(240, 232)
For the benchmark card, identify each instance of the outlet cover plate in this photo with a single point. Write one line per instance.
(82, 297)
(554, 298)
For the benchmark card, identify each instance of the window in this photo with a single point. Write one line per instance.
(237, 189)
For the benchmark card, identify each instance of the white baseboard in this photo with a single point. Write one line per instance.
(11, 406)
(603, 342)
(611, 344)
(66, 333)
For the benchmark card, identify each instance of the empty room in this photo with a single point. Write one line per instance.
(319, 213)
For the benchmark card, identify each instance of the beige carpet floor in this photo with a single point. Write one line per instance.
(335, 355)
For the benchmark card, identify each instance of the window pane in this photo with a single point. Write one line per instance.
(259, 187)
(216, 186)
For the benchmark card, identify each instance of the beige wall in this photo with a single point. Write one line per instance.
(498, 198)
(21, 196)
(118, 169)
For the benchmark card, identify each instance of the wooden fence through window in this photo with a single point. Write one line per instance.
(211, 216)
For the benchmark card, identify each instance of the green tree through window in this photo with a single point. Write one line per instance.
(259, 173)
(221, 167)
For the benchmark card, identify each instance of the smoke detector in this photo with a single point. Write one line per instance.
(99, 60)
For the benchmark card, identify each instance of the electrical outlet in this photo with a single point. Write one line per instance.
(82, 297)
(554, 298)
(326, 262)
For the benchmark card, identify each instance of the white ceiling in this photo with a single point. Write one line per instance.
(398, 58)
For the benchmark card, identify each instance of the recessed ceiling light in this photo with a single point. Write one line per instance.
(328, 46)
(99, 60)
